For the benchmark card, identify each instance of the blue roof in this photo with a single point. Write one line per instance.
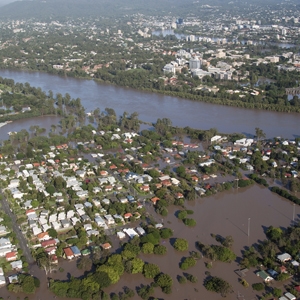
(75, 250)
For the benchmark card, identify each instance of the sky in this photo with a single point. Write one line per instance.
(3, 2)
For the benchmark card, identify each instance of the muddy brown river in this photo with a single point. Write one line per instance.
(235, 213)
(228, 213)
(151, 106)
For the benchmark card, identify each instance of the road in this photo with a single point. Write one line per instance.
(16, 229)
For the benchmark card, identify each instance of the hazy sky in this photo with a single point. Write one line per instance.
(3, 2)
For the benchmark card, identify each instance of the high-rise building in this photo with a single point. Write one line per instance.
(179, 21)
(195, 63)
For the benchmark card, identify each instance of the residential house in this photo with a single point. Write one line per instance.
(16, 265)
(109, 220)
(106, 246)
(68, 253)
(154, 200)
(140, 231)
(48, 243)
(285, 257)
(76, 251)
(265, 276)
(121, 235)
(13, 278)
(290, 296)
(130, 232)
(51, 250)
(11, 256)
(100, 222)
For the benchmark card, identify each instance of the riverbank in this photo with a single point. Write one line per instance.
(192, 95)
(151, 106)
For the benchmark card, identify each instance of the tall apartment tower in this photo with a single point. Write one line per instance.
(195, 63)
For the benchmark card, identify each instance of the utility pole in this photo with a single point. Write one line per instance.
(294, 212)
(248, 227)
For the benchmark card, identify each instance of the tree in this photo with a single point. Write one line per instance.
(53, 233)
(85, 263)
(218, 285)
(258, 286)
(137, 266)
(160, 249)
(181, 244)
(150, 270)
(259, 133)
(164, 280)
(145, 291)
(228, 241)
(50, 189)
(187, 262)
(283, 276)
(26, 284)
(274, 233)
(277, 292)
(182, 214)
(148, 248)
(166, 233)
(111, 272)
(189, 222)
(223, 254)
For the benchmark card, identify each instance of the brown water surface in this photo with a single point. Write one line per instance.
(151, 106)
(224, 214)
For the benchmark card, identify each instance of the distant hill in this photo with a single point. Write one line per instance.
(83, 8)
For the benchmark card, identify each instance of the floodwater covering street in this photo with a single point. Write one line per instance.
(225, 214)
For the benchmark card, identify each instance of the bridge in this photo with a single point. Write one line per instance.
(293, 91)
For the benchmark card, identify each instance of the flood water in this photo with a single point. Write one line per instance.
(225, 214)
(151, 106)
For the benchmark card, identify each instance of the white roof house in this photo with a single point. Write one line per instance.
(109, 219)
(16, 265)
(284, 257)
(100, 222)
(244, 142)
(121, 235)
(2, 280)
(290, 296)
(207, 163)
(130, 232)
(140, 230)
(13, 278)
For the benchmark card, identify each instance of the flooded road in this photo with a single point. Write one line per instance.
(239, 213)
(151, 106)
(225, 214)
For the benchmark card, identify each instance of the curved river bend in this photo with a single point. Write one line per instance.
(151, 106)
